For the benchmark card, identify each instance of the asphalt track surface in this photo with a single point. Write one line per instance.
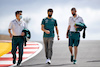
(88, 55)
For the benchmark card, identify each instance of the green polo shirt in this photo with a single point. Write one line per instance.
(49, 25)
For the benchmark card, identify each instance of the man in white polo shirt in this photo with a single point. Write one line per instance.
(73, 35)
(17, 36)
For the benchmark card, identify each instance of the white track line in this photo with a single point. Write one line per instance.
(7, 62)
(28, 50)
(10, 55)
(31, 46)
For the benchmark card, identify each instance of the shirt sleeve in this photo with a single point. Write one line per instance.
(81, 20)
(25, 26)
(55, 23)
(10, 25)
(43, 22)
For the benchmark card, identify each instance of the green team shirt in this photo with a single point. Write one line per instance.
(49, 25)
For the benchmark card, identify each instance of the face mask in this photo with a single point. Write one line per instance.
(20, 16)
(49, 15)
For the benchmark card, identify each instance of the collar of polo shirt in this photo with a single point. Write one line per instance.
(18, 21)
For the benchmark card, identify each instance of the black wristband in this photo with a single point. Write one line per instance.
(68, 32)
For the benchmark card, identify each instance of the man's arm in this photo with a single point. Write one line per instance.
(57, 32)
(22, 34)
(67, 31)
(46, 31)
(25, 27)
(9, 30)
(76, 26)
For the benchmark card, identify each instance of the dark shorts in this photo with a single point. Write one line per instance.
(74, 38)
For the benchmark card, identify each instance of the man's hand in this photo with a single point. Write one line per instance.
(68, 30)
(11, 35)
(58, 38)
(66, 36)
(47, 31)
(76, 26)
(22, 34)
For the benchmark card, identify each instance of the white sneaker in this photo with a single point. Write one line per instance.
(46, 61)
(49, 61)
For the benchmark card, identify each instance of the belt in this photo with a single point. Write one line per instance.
(74, 32)
(17, 36)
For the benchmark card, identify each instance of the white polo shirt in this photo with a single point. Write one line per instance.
(72, 22)
(17, 27)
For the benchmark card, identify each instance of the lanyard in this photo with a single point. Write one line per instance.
(75, 19)
(18, 23)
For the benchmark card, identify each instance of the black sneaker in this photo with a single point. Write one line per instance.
(72, 58)
(19, 62)
(14, 61)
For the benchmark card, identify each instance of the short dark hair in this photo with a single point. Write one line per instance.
(73, 9)
(50, 10)
(17, 12)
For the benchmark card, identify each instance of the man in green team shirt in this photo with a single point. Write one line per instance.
(47, 27)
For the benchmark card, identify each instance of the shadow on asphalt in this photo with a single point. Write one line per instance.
(60, 65)
(44, 65)
(94, 61)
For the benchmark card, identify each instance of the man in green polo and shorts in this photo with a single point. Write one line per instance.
(47, 27)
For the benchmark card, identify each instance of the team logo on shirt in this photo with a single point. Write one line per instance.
(46, 21)
(52, 20)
